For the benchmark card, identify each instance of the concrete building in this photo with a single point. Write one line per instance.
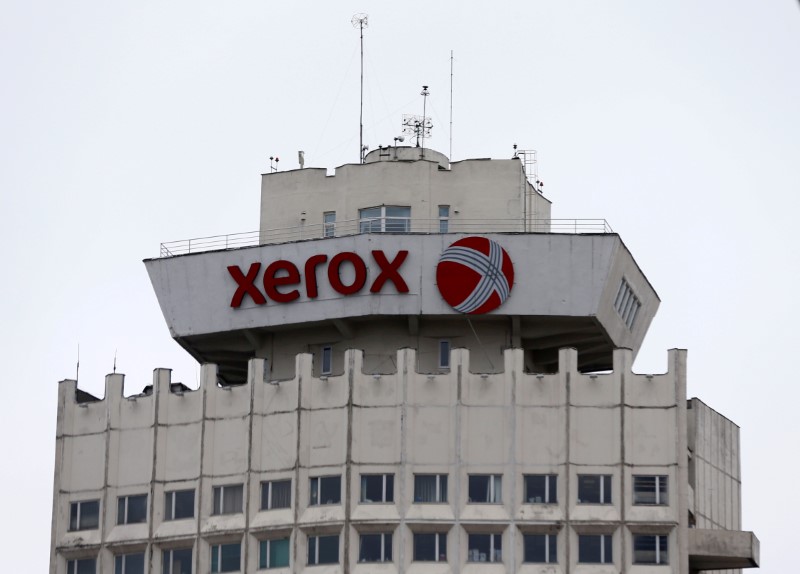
(411, 367)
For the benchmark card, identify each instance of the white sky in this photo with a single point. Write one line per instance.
(124, 124)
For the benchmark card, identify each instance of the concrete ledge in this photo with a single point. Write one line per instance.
(722, 549)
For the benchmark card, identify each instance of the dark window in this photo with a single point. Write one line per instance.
(226, 557)
(129, 563)
(228, 499)
(541, 548)
(485, 548)
(178, 561)
(594, 549)
(444, 354)
(430, 547)
(323, 550)
(650, 549)
(327, 361)
(84, 515)
(430, 488)
(650, 490)
(375, 548)
(541, 488)
(273, 553)
(326, 490)
(485, 488)
(276, 494)
(377, 488)
(179, 504)
(82, 566)
(594, 488)
(132, 509)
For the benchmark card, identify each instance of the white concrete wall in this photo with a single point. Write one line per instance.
(455, 423)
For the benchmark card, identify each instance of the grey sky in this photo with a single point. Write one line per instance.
(124, 124)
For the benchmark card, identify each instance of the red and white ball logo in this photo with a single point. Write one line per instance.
(475, 275)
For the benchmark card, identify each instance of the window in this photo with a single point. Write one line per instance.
(179, 504)
(594, 549)
(327, 361)
(276, 494)
(650, 490)
(541, 488)
(273, 553)
(129, 563)
(430, 488)
(540, 548)
(485, 488)
(178, 561)
(626, 303)
(329, 224)
(485, 548)
(132, 509)
(226, 557)
(84, 515)
(430, 547)
(384, 219)
(377, 488)
(444, 354)
(444, 218)
(650, 549)
(375, 548)
(82, 566)
(326, 490)
(323, 550)
(594, 488)
(228, 499)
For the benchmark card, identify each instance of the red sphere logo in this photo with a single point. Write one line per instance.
(475, 275)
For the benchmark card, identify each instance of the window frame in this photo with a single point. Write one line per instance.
(387, 495)
(73, 566)
(441, 491)
(550, 488)
(328, 224)
(269, 503)
(326, 360)
(79, 519)
(170, 504)
(606, 544)
(493, 548)
(444, 218)
(123, 507)
(318, 481)
(167, 559)
(439, 541)
(661, 483)
(316, 543)
(605, 487)
(444, 354)
(121, 566)
(218, 509)
(495, 490)
(386, 547)
(661, 555)
(267, 545)
(219, 549)
(386, 223)
(550, 548)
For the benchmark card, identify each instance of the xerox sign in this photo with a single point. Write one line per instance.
(475, 275)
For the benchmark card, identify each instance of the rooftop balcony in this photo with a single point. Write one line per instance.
(307, 231)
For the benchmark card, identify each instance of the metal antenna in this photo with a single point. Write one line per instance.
(451, 105)
(424, 93)
(360, 21)
(78, 364)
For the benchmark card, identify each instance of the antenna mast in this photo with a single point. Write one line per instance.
(451, 106)
(360, 21)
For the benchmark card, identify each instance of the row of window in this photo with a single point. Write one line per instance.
(383, 219)
(377, 547)
(375, 488)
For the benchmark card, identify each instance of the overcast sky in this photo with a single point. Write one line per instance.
(125, 124)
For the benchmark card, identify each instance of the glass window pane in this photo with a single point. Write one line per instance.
(231, 557)
(121, 510)
(279, 553)
(589, 549)
(331, 490)
(370, 548)
(137, 509)
(328, 549)
(282, 494)
(479, 488)
(425, 547)
(232, 499)
(480, 546)
(397, 211)
(85, 566)
(536, 548)
(177, 561)
(184, 504)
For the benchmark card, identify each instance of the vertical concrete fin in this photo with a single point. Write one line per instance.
(513, 361)
(459, 358)
(353, 359)
(407, 361)
(208, 376)
(162, 380)
(115, 388)
(568, 361)
(257, 371)
(303, 366)
(677, 369)
(623, 361)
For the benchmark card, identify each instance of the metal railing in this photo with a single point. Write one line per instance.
(381, 225)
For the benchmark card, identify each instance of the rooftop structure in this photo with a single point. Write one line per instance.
(413, 368)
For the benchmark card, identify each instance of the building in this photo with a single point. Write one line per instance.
(410, 368)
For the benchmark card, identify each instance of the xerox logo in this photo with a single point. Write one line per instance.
(475, 275)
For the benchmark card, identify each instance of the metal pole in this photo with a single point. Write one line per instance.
(361, 110)
(451, 105)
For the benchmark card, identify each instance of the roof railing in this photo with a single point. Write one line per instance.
(307, 231)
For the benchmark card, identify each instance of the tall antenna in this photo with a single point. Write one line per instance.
(451, 106)
(78, 364)
(360, 21)
(424, 93)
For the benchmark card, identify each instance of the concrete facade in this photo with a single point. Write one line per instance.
(381, 430)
